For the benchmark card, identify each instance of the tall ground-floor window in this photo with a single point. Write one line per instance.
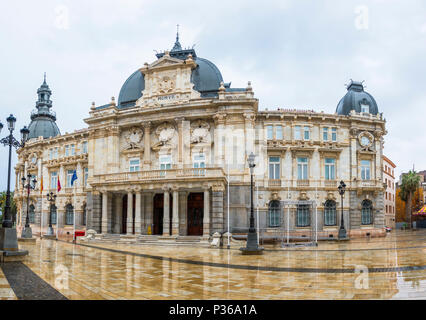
(53, 214)
(84, 215)
(367, 212)
(274, 214)
(330, 214)
(69, 214)
(303, 216)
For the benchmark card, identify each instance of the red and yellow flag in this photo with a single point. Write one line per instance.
(41, 184)
(59, 185)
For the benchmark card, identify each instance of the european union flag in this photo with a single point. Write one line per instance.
(74, 177)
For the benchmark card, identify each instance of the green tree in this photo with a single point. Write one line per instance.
(409, 185)
(3, 204)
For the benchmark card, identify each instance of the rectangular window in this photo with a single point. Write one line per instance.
(86, 175)
(297, 133)
(306, 133)
(334, 134)
(302, 168)
(70, 173)
(270, 132)
(84, 147)
(67, 150)
(365, 169)
(274, 168)
(165, 162)
(134, 165)
(303, 216)
(279, 132)
(73, 149)
(53, 180)
(365, 108)
(50, 154)
(199, 164)
(325, 134)
(330, 169)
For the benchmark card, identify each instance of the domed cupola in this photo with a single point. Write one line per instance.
(43, 119)
(206, 77)
(357, 99)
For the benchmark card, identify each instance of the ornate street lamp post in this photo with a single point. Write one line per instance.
(51, 198)
(252, 246)
(27, 232)
(342, 230)
(8, 237)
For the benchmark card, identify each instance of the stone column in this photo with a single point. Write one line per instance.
(166, 213)
(129, 229)
(138, 219)
(147, 145)
(104, 220)
(78, 218)
(217, 209)
(175, 218)
(118, 214)
(60, 217)
(206, 217)
(183, 198)
(149, 209)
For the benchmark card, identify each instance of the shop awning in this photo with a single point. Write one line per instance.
(421, 212)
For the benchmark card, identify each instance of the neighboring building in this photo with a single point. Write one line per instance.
(389, 180)
(157, 161)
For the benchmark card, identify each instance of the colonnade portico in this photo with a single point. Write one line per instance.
(133, 212)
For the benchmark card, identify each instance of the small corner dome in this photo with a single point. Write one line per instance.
(44, 127)
(358, 100)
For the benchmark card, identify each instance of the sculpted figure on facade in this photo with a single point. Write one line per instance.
(200, 132)
(132, 138)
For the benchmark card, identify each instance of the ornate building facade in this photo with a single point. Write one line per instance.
(164, 157)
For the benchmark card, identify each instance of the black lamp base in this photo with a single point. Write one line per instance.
(252, 248)
(342, 234)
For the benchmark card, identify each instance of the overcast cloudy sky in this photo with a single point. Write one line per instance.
(297, 53)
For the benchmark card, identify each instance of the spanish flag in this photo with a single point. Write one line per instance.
(41, 184)
(59, 185)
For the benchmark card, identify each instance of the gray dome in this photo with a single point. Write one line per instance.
(206, 78)
(354, 98)
(131, 90)
(43, 126)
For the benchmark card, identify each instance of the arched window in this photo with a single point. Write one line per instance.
(53, 213)
(31, 214)
(303, 218)
(69, 214)
(367, 212)
(84, 215)
(330, 214)
(274, 214)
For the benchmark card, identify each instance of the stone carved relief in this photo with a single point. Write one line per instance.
(165, 83)
(165, 133)
(199, 131)
(132, 139)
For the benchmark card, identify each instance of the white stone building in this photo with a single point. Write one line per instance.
(160, 159)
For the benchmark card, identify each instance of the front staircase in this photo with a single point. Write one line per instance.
(197, 241)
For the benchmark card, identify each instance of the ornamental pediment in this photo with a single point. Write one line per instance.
(165, 61)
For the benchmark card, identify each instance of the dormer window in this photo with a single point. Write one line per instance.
(365, 108)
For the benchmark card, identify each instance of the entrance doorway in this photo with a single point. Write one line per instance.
(158, 217)
(195, 214)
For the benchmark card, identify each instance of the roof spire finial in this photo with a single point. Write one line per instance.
(44, 78)
(177, 46)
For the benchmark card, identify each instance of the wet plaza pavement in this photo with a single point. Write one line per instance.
(393, 267)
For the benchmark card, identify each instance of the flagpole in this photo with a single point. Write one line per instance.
(229, 244)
